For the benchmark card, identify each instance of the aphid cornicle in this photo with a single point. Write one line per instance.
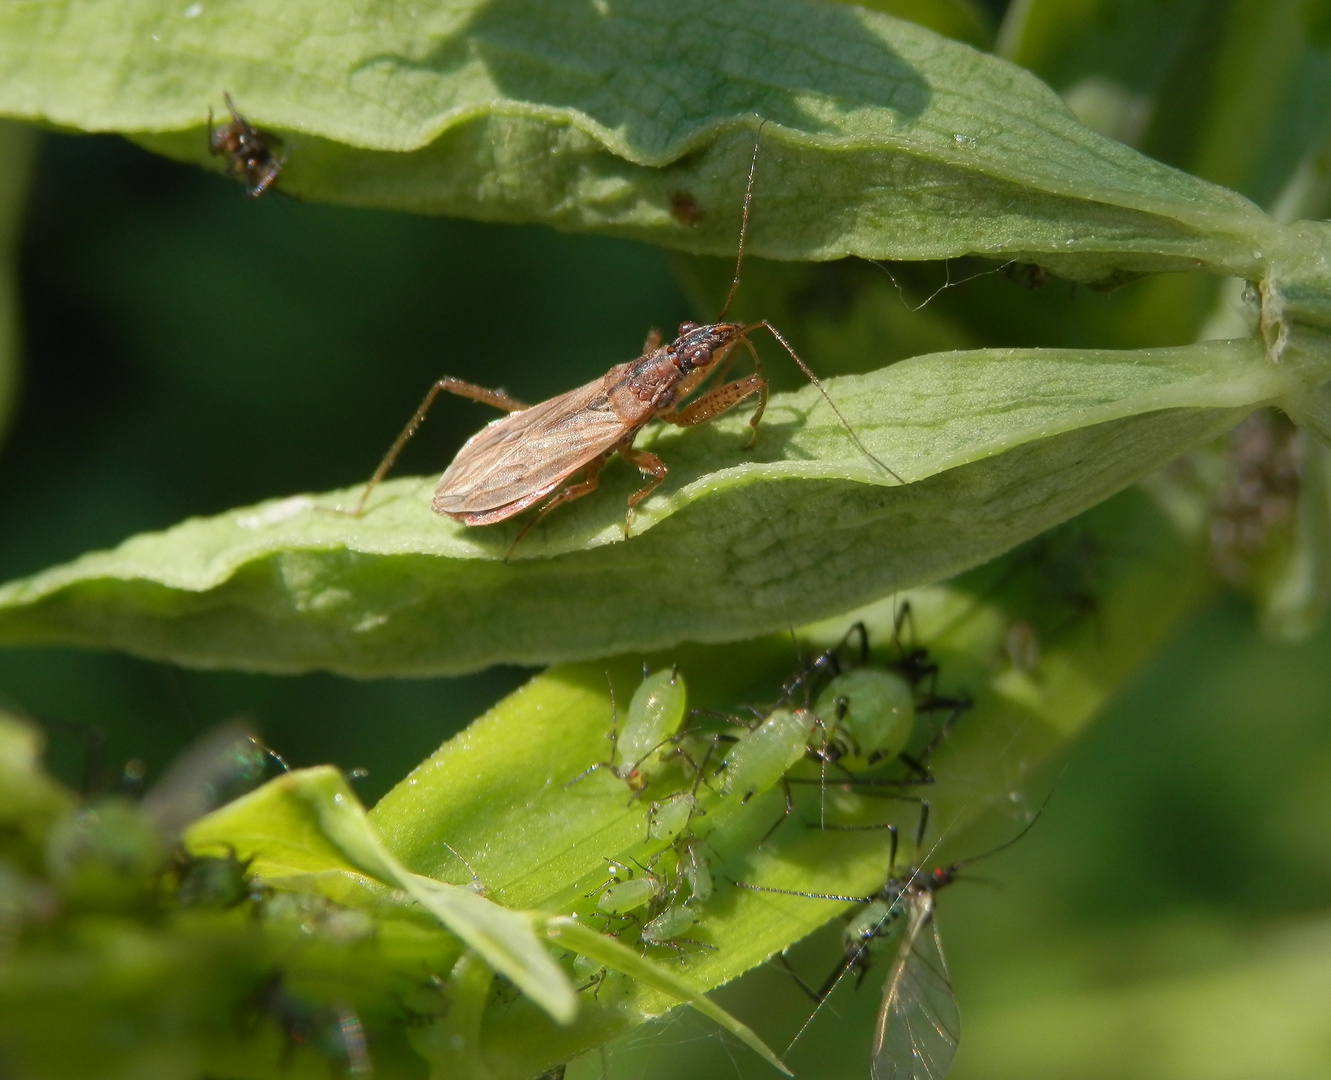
(518, 460)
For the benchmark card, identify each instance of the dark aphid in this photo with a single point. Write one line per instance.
(211, 881)
(248, 150)
(528, 457)
(1032, 275)
(684, 208)
(333, 1031)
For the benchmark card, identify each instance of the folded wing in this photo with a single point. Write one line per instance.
(522, 456)
(918, 1024)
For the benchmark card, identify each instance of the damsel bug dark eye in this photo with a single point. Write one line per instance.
(687, 328)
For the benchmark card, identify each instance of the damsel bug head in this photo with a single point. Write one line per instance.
(698, 346)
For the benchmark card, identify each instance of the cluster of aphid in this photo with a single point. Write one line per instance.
(848, 721)
(839, 721)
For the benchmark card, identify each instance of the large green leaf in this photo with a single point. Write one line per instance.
(997, 446)
(306, 832)
(884, 140)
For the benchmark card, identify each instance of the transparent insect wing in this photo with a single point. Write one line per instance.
(918, 1025)
(224, 763)
(529, 452)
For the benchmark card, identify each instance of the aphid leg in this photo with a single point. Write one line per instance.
(591, 479)
(497, 398)
(782, 959)
(231, 108)
(649, 465)
(652, 343)
(269, 175)
(857, 629)
(789, 809)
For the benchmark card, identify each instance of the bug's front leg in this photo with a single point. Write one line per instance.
(715, 402)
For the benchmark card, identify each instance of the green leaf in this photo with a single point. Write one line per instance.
(18, 146)
(998, 446)
(884, 140)
(616, 957)
(310, 820)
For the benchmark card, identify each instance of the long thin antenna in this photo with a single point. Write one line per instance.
(1008, 843)
(808, 373)
(743, 225)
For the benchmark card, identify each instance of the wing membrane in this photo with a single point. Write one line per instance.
(918, 1024)
(525, 454)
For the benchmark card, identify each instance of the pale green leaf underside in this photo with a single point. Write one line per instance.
(884, 139)
(996, 445)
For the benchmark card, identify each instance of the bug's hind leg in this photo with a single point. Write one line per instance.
(461, 388)
(591, 480)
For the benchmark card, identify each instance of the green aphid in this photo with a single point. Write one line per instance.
(868, 716)
(670, 924)
(667, 819)
(761, 757)
(626, 891)
(654, 715)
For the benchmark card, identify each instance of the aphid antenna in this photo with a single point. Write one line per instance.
(1006, 843)
(277, 758)
(614, 741)
(476, 886)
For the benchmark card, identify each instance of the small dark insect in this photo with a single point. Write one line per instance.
(333, 1031)
(918, 1025)
(684, 208)
(248, 150)
(1032, 275)
(518, 460)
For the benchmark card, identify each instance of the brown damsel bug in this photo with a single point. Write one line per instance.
(248, 150)
(516, 461)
